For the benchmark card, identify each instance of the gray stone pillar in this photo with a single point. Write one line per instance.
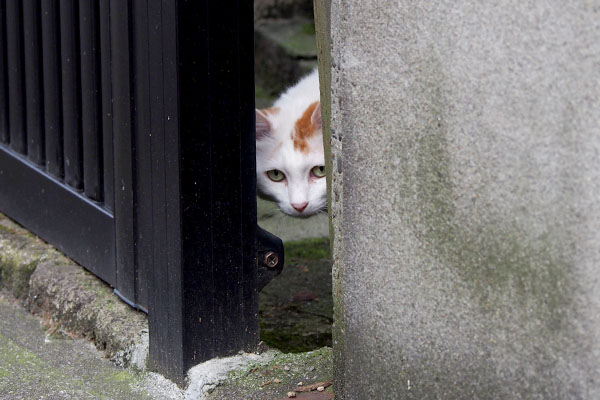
(466, 198)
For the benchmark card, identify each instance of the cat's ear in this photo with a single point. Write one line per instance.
(263, 126)
(316, 118)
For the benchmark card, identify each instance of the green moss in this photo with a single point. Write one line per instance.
(16, 358)
(288, 368)
(295, 310)
(121, 377)
(15, 273)
(288, 340)
(312, 249)
(7, 229)
(502, 265)
(308, 28)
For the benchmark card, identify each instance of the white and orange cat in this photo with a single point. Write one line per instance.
(289, 151)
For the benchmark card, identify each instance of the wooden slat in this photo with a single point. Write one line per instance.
(90, 99)
(123, 148)
(224, 69)
(164, 253)
(33, 81)
(106, 91)
(71, 101)
(4, 137)
(16, 84)
(143, 151)
(52, 88)
(203, 301)
(247, 156)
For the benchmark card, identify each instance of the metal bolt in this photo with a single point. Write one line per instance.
(271, 259)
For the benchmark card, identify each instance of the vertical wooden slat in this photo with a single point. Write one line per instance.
(196, 311)
(247, 228)
(90, 99)
(123, 147)
(143, 170)
(106, 91)
(71, 102)
(52, 88)
(4, 137)
(163, 339)
(16, 84)
(225, 150)
(33, 81)
(165, 316)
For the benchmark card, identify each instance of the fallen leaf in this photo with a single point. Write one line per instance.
(311, 396)
(304, 296)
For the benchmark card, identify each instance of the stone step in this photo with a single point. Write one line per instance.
(285, 50)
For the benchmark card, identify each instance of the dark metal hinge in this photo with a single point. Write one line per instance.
(269, 257)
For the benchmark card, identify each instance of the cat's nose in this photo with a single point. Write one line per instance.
(299, 206)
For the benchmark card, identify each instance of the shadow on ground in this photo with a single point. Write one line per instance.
(296, 308)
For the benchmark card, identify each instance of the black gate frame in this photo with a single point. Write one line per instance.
(170, 199)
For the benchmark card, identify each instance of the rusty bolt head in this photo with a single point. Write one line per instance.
(271, 259)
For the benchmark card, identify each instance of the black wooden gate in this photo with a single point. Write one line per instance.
(127, 141)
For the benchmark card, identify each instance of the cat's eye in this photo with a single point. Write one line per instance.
(275, 175)
(318, 171)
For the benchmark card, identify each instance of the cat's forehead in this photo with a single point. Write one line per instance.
(296, 125)
(305, 128)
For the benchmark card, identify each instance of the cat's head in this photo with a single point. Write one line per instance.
(290, 164)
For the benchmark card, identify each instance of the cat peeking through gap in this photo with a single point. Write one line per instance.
(290, 163)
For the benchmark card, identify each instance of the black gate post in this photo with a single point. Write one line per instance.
(202, 290)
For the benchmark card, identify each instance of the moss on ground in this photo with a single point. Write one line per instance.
(312, 249)
(277, 377)
(296, 308)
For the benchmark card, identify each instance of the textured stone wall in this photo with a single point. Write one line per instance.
(466, 144)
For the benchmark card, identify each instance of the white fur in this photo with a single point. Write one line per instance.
(275, 150)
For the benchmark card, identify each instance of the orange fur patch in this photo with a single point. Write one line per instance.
(304, 129)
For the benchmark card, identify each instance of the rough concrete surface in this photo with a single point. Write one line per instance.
(277, 374)
(36, 364)
(287, 228)
(68, 298)
(470, 186)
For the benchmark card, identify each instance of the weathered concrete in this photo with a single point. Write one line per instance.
(68, 298)
(35, 364)
(287, 228)
(470, 179)
(273, 375)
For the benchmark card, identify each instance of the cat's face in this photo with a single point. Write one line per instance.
(290, 161)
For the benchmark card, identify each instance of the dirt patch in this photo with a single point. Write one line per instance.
(296, 308)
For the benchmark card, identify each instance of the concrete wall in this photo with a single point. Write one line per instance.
(465, 198)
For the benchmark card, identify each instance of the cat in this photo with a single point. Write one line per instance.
(290, 163)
